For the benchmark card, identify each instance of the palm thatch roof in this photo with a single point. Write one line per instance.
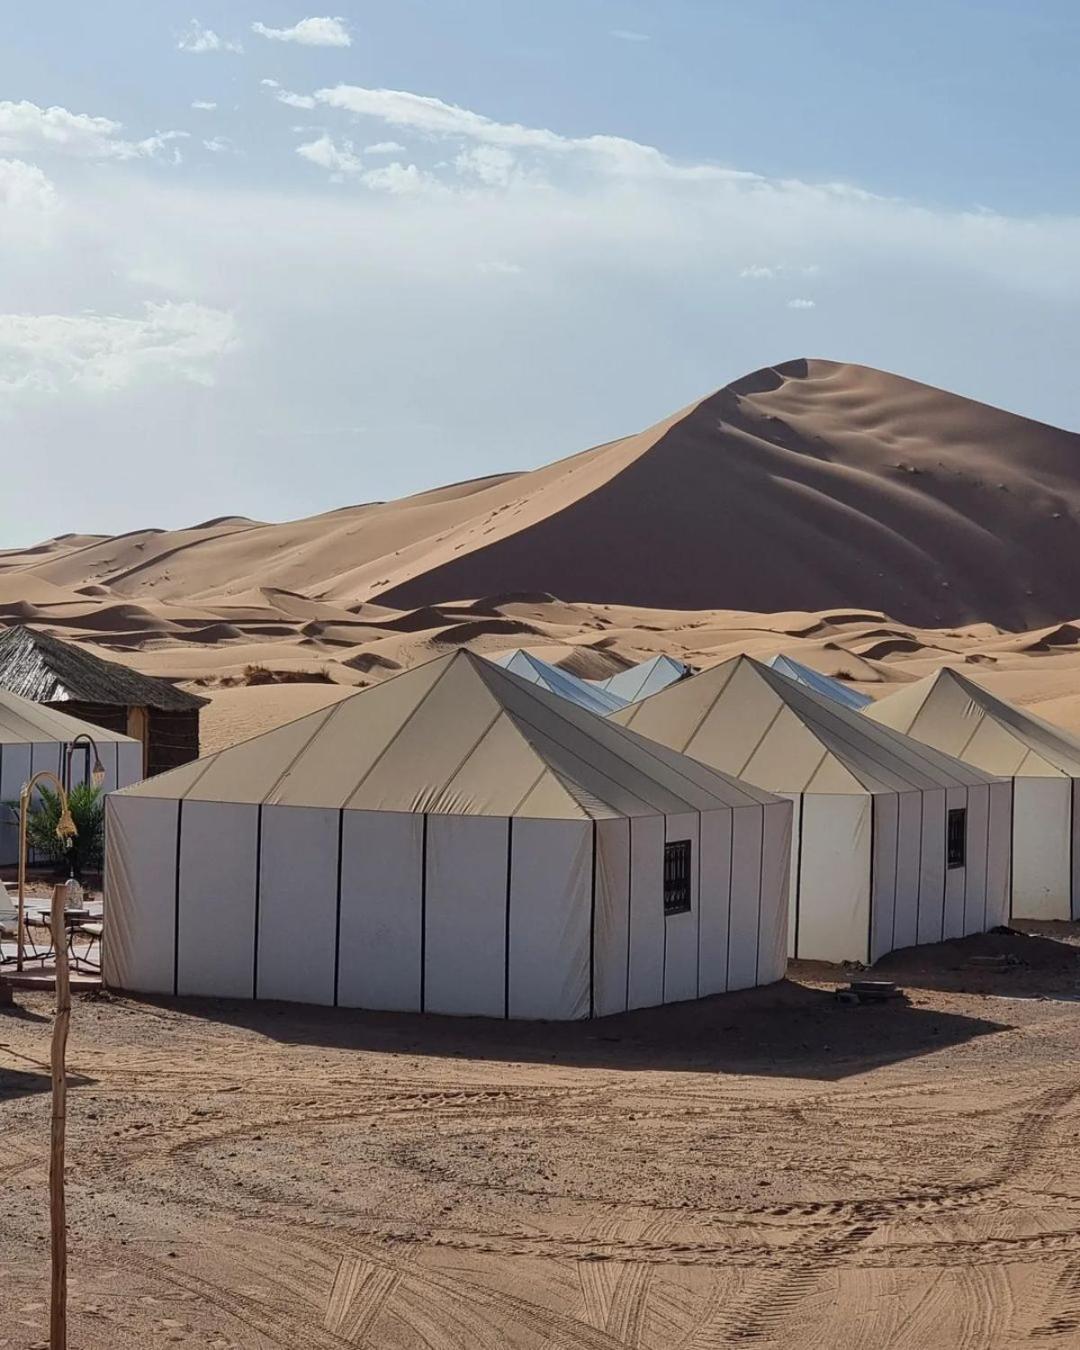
(39, 667)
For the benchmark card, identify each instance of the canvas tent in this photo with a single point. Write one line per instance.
(453, 840)
(825, 685)
(895, 843)
(528, 666)
(649, 677)
(33, 738)
(953, 713)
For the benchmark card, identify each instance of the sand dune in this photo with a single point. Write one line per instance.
(871, 527)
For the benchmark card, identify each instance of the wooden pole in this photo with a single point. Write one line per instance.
(57, 1209)
(20, 948)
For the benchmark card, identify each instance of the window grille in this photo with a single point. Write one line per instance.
(677, 877)
(956, 839)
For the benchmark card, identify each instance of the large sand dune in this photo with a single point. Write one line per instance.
(869, 525)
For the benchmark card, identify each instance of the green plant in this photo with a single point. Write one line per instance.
(87, 848)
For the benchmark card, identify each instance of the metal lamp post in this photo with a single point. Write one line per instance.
(83, 741)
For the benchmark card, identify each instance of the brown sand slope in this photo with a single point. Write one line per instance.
(806, 485)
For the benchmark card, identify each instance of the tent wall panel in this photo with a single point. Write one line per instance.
(978, 826)
(681, 930)
(834, 888)
(932, 868)
(611, 937)
(714, 904)
(379, 924)
(215, 921)
(794, 864)
(908, 865)
(140, 894)
(775, 885)
(129, 759)
(1074, 837)
(746, 869)
(646, 980)
(886, 846)
(465, 915)
(551, 874)
(956, 878)
(1042, 866)
(999, 863)
(14, 772)
(297, 904)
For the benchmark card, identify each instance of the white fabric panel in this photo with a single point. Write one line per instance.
(714, 901)
(551, 871)
(140, 894)
(216, 908)
(999, 863)
(886, 816)
(746, 861)
(796, 799)
(130, 763)
(956, 877)
(681, 930)
(1041, 848)
(646, 979)
(834, 889)
(932, 868)
(775, 884)
(611, 940)
(978, 826)
(297, 904)
(908, 850)
(14, 772)
(466, 916)
(1074, 838)
(382, 863)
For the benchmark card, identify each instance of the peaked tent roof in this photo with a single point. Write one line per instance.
(24, 722)
(825, 685)
(958, 716)
(530, 667)
(456, 736)
(766, 729)
(647, 678)
(44, 669)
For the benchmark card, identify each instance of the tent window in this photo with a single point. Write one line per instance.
(677, 877)
(956, 848)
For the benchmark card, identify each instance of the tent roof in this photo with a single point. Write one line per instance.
(537, 671)
(24, 722)
(649, 677)
(953, 713)
(761, 726)
(456, 736)
(44, 669)
(820, 684)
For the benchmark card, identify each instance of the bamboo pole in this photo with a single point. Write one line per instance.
(57, 1208)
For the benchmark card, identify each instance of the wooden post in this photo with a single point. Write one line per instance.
(57, 1209)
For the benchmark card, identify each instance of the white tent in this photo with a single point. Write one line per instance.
(640, 681)
(527, 666)
(453, 840)
(895, 843)
(33, 738)
(951, 712)
(820, 684)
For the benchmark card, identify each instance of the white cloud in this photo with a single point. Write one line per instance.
(757, 272)
(101, 353)
(400, 180)
(338, 160)
(271, 84)
(26, 127)
(800, 303)
(489, 164)
(498, 267)
(385, 148)
(204, 105)
(629, 35)
(218, 145)
(323, 32)
(25, 189)
(295, 100)
(198, 40)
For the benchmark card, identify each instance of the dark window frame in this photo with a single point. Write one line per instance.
(678, 859)
(956, 838)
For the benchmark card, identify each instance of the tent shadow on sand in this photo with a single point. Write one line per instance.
(1026, 960)
(788, 1030)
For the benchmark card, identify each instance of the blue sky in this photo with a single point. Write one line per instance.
(328, 258)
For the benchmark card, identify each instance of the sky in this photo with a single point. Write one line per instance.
(257, 259)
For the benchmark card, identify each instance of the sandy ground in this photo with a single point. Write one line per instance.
(769, 1168)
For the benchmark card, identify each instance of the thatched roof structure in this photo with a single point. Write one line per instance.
(44, 669)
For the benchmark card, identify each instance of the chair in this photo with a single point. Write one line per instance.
(9, 930)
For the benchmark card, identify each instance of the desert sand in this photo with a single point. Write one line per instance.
(769, 1168)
